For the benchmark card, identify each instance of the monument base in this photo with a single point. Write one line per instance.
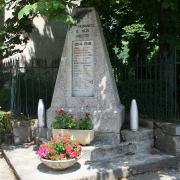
(107, 128)
(107, 138)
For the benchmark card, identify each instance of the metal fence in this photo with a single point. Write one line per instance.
(154, 84)
(28, 84)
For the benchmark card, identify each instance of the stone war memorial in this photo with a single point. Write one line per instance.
(85, 81)
(85, 85)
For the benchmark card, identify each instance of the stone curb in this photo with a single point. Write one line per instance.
(10, 165)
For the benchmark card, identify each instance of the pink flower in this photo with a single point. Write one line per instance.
(42, 152)
(64, 148)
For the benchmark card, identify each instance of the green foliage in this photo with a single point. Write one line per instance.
(5, 123)
(52, 9)
(2, 3)
(133, 29)
(144, 25)
(85, 123)
(141, 23)
(65, 120)
(16, 30)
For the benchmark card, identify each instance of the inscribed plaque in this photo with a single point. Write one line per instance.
(83, 69)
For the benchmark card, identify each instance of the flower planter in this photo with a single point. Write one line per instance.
(84, 137)
(60, 164)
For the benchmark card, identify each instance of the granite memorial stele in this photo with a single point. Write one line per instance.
(85, 81)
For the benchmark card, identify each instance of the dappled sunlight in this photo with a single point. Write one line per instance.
(103, 85)
(29, 51)
(49, 32)
(39, 22)
(23, 58)
(166, 176)
(44, 30)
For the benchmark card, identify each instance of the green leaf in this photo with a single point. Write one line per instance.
(41, 7)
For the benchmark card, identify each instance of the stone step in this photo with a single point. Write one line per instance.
(142, 134)
(27, 166)
(140, 141)
(105, 152)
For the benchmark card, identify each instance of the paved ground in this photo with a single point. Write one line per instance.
(5, 172)
(167, 174)
(112, 169)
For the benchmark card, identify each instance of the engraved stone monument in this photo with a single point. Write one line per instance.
(85, 81)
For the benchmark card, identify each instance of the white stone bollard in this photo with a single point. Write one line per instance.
(41, 114)
(134, 117)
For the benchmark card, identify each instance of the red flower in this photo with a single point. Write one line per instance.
(54, 140)
(51, 149)
(64, 148)
(61, 156)
(53, 157)
(69, 150)
(75, 144)
(60, 111)
(74, 154)
(60, 134)
(66, 139)
(43, 146)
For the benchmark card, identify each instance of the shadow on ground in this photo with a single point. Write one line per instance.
(44, 169)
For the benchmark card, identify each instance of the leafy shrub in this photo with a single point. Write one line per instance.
(5, 123)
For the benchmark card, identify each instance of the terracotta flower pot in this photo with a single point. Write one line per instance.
(83, 136)
(60, 164)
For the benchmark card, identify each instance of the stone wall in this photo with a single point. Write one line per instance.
(167, 137)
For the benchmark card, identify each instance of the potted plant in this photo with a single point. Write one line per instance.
(60, 153)
(79, 128)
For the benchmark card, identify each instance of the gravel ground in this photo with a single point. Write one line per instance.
(5, 172)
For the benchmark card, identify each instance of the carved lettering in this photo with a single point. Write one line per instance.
(83, 69)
